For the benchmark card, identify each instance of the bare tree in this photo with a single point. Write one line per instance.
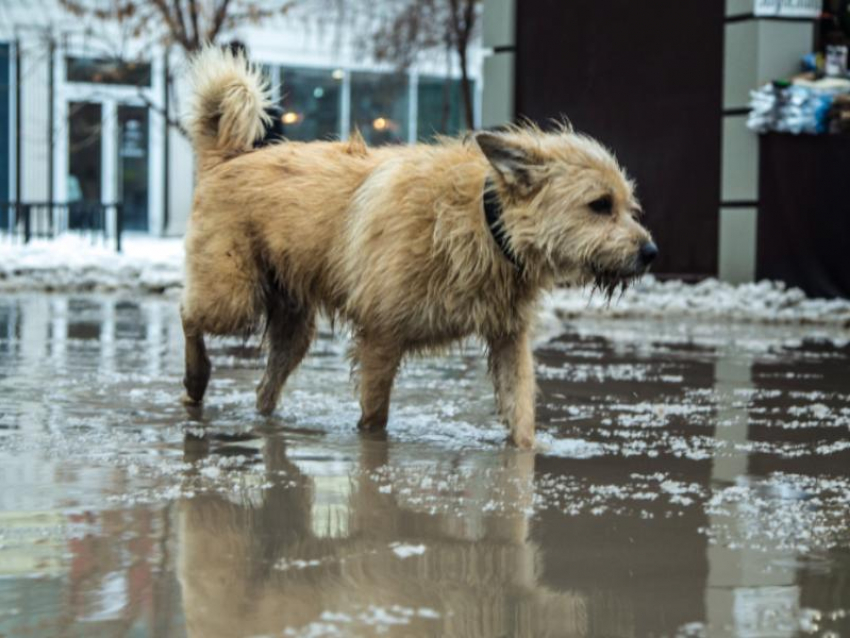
(184, 25)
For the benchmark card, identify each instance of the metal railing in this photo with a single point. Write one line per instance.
(24, 221)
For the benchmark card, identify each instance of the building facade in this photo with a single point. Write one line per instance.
(667, 86)
(87, 116)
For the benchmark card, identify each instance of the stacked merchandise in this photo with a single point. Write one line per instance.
(839, 114)
(818, 100)
(802, 106)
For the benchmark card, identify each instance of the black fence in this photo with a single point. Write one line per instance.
(23, 221)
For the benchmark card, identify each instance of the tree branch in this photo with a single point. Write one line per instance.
(173, 122)
(181, 23)
(171, 24)
(193, 18)
(219, 17)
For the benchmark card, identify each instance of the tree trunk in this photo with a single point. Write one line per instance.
(466, 87)
(462, 25)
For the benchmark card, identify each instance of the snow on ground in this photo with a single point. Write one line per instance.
(147, 264)
(72, 263)
(709, 300)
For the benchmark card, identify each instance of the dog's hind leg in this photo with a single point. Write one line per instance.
(198, 367)
(378, 363)
(512, 369)
(289, 330)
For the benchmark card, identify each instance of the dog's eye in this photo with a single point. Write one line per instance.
(603, 205)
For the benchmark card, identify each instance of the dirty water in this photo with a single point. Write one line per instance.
(692, 480)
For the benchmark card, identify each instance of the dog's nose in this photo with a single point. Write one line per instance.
(648, 252)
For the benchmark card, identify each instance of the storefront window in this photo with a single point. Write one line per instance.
(311, 103)
(105, 71)
(379, 107)
(85, 128)
(440, 107)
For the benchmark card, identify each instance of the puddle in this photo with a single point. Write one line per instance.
(691, 480)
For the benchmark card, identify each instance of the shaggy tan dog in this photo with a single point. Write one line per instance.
(414, 247)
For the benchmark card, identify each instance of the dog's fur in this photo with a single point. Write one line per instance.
(391, 240)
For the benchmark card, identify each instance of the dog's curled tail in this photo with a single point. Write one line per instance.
(228, 107)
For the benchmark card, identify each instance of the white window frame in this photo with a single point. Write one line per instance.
(110, 96)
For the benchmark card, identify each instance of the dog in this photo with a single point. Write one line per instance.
(413, 247)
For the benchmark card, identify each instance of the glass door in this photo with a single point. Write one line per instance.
(85, 133)
(132, 168)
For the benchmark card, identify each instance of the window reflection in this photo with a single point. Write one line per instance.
(133, 165)
(84, 162)
(105, 71)
(379, 107)
(311, 103)
(440, 109)
(314, 101)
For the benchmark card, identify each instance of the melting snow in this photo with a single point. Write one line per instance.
(406, 551)
(72, 263)
(762, 302)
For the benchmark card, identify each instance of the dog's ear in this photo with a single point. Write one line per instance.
(516, 165)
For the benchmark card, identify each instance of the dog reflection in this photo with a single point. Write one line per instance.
(318, 545)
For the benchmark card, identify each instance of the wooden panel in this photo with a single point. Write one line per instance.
(804, 213)
(646, 79)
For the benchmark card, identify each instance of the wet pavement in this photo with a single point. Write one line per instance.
(693, 480)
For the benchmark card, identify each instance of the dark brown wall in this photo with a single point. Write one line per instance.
(645, 78)
(804, 213)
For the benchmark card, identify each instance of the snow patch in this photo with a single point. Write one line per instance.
(73, 263)
(762, 302)
(568, 447)
(406, 551)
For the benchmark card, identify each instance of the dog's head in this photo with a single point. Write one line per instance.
(568, 208)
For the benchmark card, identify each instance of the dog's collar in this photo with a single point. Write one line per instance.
(493, 215)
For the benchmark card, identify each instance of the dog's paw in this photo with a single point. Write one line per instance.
(522, 441)
(371, 425)
(266, 408)
(186, 400)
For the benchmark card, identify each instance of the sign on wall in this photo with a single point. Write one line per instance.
(788, 8)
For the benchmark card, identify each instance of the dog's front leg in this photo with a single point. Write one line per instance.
(378, 361)
(512, 368)
(198, 366)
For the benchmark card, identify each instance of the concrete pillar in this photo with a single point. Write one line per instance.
(757, 50)
(499, 36)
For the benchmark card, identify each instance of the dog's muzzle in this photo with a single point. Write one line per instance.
(608, 281)
(647, 254)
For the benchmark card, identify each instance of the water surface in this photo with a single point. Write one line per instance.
(692, 480)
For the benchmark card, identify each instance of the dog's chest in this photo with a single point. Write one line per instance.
(484, 311)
